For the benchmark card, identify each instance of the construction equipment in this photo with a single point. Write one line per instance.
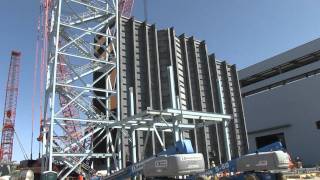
(174, 165)
(263, 161)
(270, 157)
(10, 108)
(176, 160)
(19, 143)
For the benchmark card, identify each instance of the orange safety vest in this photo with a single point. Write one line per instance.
(80, 177)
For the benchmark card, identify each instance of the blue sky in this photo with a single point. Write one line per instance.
(242, 32)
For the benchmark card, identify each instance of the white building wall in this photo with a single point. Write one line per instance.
(297, 105)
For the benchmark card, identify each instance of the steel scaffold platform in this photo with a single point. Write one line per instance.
(73, 24)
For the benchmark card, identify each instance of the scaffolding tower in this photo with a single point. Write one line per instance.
(72, 26)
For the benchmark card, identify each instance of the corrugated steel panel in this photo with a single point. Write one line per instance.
(145, 54)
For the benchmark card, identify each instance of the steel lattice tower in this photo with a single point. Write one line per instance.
(10, 107)
(74, 30)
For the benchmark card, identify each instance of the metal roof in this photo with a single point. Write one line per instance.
(272, 64)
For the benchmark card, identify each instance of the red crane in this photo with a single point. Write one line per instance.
(125, 7)
(10, 108)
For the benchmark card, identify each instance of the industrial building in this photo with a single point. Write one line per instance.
(121, 99)
(145, 54)
(281, 101)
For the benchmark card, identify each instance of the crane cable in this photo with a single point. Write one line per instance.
(35, 69)
(43, 67)
(21, 147)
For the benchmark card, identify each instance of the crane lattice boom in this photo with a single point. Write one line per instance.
(10, 108)
(125, 7)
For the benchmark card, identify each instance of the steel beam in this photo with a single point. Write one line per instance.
(75, 24)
